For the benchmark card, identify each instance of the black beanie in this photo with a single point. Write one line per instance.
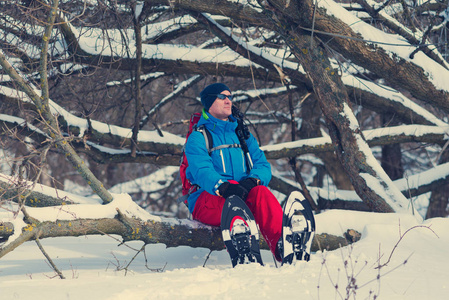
(210, 92)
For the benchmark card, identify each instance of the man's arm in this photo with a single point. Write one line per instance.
(201, 166)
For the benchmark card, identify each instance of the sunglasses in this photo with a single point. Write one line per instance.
(222, 97)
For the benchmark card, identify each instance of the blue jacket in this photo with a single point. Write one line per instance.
(210, 171)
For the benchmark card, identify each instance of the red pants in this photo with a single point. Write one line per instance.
(265, 207)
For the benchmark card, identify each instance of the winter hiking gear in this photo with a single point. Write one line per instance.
(225, 161)
(226, 172)
(222, 97)
(240, 233)
(298, 229)
(209, 94)
(262, 204)
(187, 187)
(288, 246)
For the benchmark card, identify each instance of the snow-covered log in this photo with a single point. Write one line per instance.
(121, 217)
(172, 233)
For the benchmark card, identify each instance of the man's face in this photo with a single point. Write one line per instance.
(221, 109)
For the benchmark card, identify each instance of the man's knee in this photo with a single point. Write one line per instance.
(260, 189)
(259, 193)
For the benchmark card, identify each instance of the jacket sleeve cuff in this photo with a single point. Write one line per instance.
(254, 176)
(217, 185)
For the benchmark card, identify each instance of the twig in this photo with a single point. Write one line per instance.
(50, 261)
(386, 273)
(313, 23)
(151, 269)
(207, 258)
(118, 265)
(132, 259)
(400, 239)
(141, 250)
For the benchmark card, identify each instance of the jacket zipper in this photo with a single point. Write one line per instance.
(222, 161)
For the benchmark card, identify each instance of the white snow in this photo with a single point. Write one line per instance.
(91, 263)
(390, 94)
(90, 266)
(138, 11)
(94, 265)
(156, 181)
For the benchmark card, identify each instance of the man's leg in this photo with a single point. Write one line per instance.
(208, 209)
(268, 214)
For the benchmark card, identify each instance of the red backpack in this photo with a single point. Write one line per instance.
(187, 187)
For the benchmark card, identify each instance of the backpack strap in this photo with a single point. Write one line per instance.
(209, 142)
(225, 146)
(184, 198)
(207, 137)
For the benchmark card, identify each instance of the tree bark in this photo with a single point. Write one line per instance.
(137, 84)
(11, 192)
(247, 14)
(411, 38)
(401, 73)
(391, 160)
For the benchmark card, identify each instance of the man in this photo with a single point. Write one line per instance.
(223, 172)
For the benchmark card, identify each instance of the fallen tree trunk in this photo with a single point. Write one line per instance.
(171, 232)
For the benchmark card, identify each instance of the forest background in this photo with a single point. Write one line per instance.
(348, 100)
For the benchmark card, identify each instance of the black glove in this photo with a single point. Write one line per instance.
(227, 189)
(249, 183)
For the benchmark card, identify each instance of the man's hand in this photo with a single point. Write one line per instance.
(227, 189)
(249, 183)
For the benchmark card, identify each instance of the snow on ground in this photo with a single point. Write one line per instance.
(90, 266)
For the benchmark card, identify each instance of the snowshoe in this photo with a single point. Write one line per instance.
(298, 229)
(240, 232)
